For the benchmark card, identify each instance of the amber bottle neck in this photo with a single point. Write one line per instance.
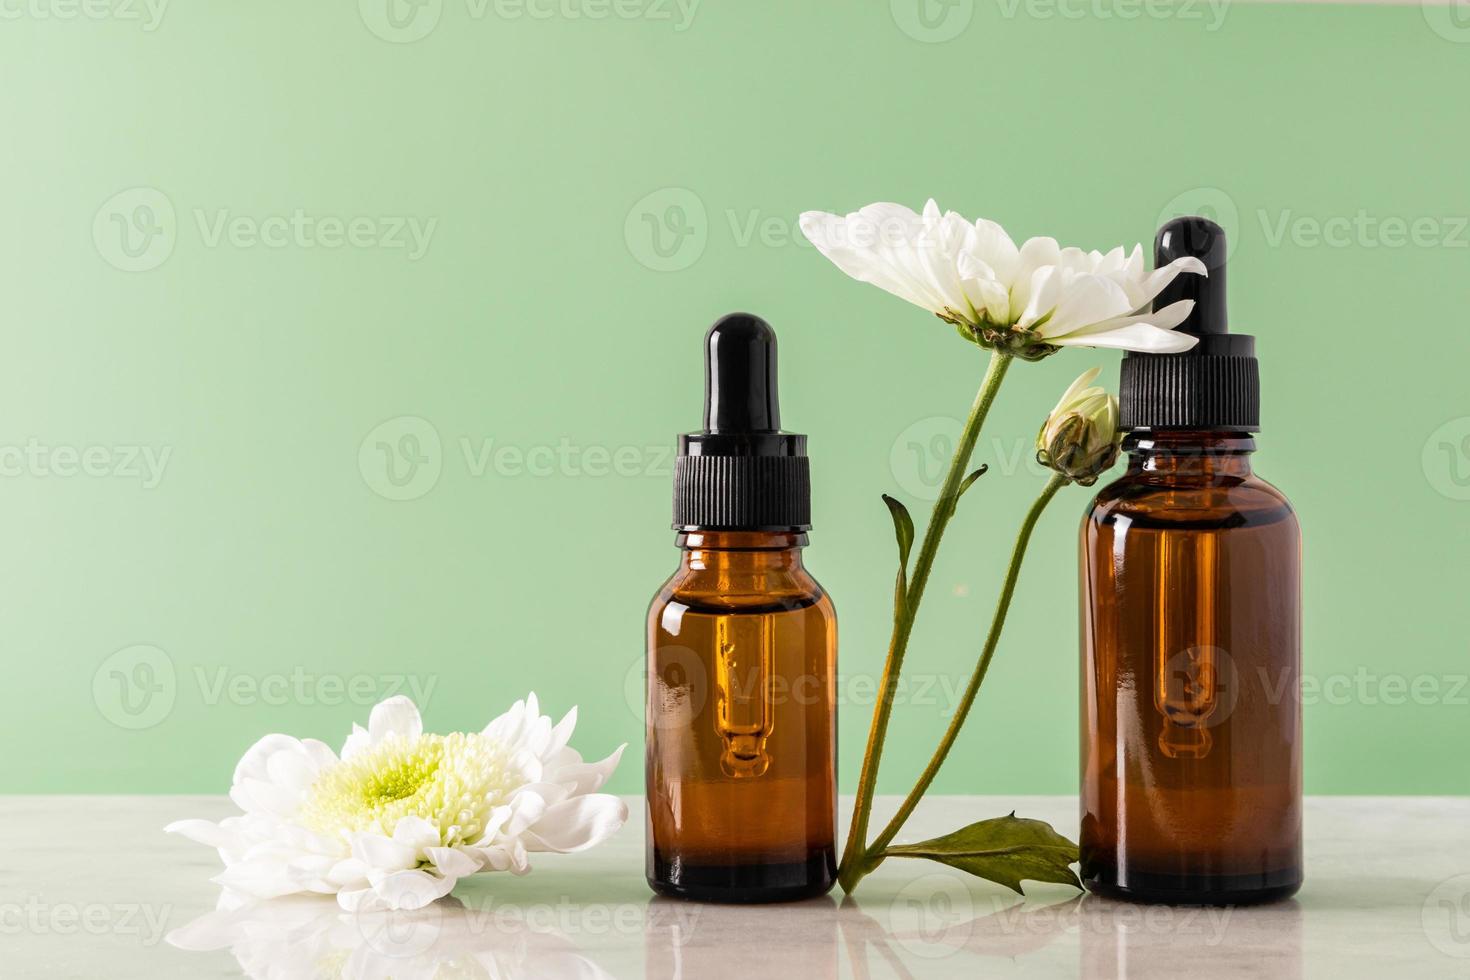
(1189, 453)
(746, 550)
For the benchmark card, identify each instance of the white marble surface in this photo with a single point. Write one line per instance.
(91, 887)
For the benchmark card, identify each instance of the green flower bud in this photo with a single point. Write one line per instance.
(1080, 437)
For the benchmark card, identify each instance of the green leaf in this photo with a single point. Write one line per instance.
(1005, 850)
(903, 530)
(965, 484)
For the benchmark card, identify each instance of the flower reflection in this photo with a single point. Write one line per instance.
(309, 937)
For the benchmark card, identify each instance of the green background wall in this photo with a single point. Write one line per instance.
(265, 581)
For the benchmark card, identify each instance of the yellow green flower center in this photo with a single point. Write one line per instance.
(452, 781)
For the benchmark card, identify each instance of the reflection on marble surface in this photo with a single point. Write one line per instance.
(1387, 894)
(307, 937)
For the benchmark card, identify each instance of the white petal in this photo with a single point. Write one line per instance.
(550, 793)
(495, 857)
(348, 873)
(1070, 395)
(410, 889)
(1166, 319)
(1170, 316)
(204, 832)
(578, 823)
(513, 726)
(254, 762)
(588, 777)
(381, 853)
(914, 257)
(264, 797)
(359, 900)
(525, 810)
(395, 716)
(293, 771)
(561, 734)
(1080, 301)
(1035, 253)
(416, 832)
(454, 862)
(356, 742)
(257, 880)
(1138, 336)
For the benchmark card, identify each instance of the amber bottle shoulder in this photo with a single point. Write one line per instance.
(1143, 499)
(705, 590)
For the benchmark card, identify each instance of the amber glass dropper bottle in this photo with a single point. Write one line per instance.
(742, 654)
(1191, 627)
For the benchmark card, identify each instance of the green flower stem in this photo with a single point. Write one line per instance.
(874, 854)
(854, 854)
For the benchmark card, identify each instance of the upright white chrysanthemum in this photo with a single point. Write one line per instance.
(401, 816)
(1027, 301)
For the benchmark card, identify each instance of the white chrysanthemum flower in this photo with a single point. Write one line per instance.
(1027, 301)
(402, 816)
(1080, 438)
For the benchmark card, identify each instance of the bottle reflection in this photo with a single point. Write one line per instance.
(1121, 940)
(693, 941)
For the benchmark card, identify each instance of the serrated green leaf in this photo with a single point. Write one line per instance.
(965, 484)
(1005, 850)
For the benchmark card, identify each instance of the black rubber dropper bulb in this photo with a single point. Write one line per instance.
(1202, 239)
(741, 472)
(1215, 385)
(740, 376)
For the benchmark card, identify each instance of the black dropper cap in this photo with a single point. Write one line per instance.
(741, 473)
(1215, 384)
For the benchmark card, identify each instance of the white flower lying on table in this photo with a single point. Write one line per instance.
(402, 816)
